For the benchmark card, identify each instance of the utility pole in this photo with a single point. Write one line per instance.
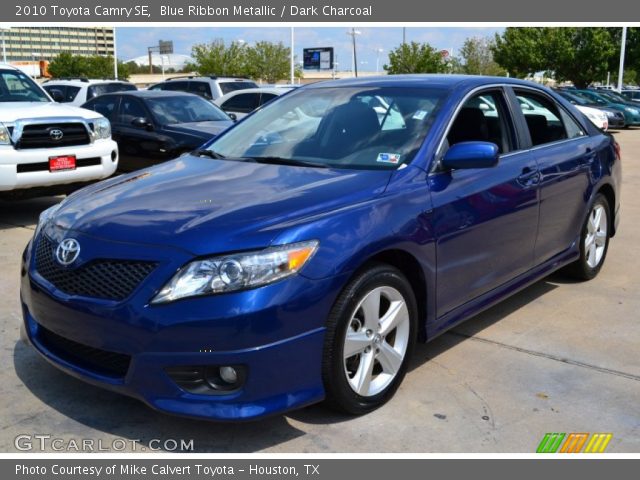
(622, 49)
(293, 72)
(354, 57)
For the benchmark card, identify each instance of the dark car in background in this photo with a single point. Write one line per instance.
(604, 98)
(615, 117)
(154, 126)
(633, 95)
(209, 87)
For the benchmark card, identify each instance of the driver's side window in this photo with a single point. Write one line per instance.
(482, 118)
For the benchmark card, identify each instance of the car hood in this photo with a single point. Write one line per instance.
(207, 206)
(202, 129)
(13, 111)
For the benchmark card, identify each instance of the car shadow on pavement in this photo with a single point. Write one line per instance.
(129, 418)
(24, 213)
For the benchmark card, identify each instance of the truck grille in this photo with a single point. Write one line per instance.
(105, 279)
(100, 361)
(39, 136)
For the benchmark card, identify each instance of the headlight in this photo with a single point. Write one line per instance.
(5, 138)
(45, 216)
(610, 114)
(237, 272)
(101, 128)
(631, 110)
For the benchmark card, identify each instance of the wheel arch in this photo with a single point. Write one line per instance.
(610, 194)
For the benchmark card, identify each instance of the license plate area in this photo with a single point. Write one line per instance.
(62, 163)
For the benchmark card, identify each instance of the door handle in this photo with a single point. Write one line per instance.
(528, 177)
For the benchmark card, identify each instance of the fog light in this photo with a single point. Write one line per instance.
(114, 156)
(229, 374)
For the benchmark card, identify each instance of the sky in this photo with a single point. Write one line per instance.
(133, 41)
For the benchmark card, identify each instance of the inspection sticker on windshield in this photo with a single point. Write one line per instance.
(392, 158)
(420, 114)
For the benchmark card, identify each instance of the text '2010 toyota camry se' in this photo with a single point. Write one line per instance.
(301, 254)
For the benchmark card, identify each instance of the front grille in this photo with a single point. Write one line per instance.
(38, 136)
(101, 278)
(100, 361)
(44, 166)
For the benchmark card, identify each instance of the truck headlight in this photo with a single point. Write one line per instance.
(101, 128)
(236, 272)
(5, 138)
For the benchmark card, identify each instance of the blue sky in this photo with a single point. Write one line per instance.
(133, 41)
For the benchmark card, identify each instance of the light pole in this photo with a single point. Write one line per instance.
(115, 56)
(292, 80)
(622, 49)
(354, 58)
(378, 52)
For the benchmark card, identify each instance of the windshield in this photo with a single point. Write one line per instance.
(184, 109)
(594, 97)
(614, 97)
(343, 127)
(16, 86)
(574, 98)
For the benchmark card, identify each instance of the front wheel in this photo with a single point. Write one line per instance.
(371, 333)
(594, 241)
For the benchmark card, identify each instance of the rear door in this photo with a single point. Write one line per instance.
(485, 220)
(564, 154)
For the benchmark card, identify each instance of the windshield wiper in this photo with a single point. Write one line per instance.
(208, 153)
(289, 161)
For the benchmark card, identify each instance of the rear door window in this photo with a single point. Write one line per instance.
(546, 120)
(177, 86)
(227, 87)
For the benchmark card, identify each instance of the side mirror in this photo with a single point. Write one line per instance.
(141, 122)
(233, 116)
(57, 95)
(471, 155)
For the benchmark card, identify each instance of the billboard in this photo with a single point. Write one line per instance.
(318, 58)
(165, 47)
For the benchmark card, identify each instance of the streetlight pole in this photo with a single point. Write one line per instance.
(378, 52)
(622, 50)
(115, 56)
(354, 57)
(292, 79)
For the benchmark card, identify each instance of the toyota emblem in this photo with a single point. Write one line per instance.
(56, 134)
(68, 251)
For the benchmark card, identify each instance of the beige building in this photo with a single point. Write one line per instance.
(44, 43)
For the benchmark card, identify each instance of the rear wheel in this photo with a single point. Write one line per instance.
(370, 336)
(594, 241)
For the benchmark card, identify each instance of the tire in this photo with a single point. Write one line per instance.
(594, 241)
(381, 350)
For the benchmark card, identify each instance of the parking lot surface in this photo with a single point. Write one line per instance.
(558, 357)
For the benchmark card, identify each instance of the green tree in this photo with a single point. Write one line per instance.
(581, 55)
(216, 58)
(477, 57)
(268, 61)
(415, 58)
(66, 65)
(520, 51)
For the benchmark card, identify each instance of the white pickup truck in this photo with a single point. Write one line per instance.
(46, 145)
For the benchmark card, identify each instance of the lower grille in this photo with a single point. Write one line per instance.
(100, 361)
(39, 136)
(44, 166)
(105, 279)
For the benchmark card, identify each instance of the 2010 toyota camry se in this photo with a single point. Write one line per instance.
(301, 254)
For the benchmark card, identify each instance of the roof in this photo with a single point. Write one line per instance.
(153, 93)
(85, 81)
(420, 80)
(275, 90)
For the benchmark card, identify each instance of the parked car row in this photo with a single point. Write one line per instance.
(606, 99)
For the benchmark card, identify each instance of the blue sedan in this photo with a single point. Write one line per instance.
(300, 255)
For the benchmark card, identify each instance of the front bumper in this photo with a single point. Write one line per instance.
(275, 332)
(13, 175)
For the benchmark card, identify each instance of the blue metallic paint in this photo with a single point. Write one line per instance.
(476, 236)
